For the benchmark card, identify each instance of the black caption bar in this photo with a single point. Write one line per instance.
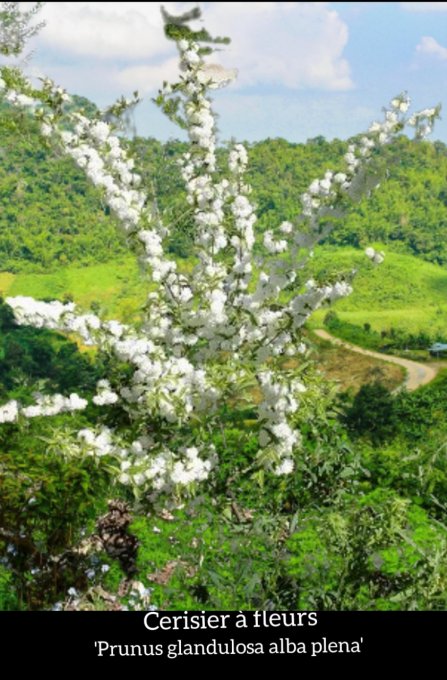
(153, 639)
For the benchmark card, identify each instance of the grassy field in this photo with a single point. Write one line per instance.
(404, 292)
(351, 370)
(116, 287)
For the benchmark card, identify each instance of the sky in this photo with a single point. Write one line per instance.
(304, 68)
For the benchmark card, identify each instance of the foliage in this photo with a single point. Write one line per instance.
(16, 27)
(47, 504)
(50, 222)
(8, 594)
(199, 558)
(409, 212)
(29, 355)
(423, 410)
(376, 551)
(373, 412)
(55, 216)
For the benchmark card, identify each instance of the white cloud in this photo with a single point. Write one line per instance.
(429, 45)
(296, 44)
(424, 6)
(292, 44)
(148, 77)
(105, 30)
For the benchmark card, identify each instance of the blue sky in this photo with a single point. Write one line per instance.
(305, 68)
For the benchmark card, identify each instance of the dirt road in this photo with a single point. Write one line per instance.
(417, 374)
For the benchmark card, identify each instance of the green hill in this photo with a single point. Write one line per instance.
(114, 288)
(404, 292)
(50, 215)
(408, 210)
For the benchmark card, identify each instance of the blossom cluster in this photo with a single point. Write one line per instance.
(45, 405)
(206, 334)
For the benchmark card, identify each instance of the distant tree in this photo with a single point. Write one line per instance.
(373, 413)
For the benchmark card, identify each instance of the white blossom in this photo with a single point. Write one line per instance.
(9, 412)
(230, 312)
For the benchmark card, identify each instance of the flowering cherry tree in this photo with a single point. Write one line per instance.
(207, 337)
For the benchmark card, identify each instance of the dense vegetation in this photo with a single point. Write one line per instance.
(49, 214)
(359, 526)
(56, 217)
(360, 523)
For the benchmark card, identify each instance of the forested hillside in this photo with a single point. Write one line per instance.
(49, 214)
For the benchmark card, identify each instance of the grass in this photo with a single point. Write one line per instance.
(351, 370)
(404, 292)
(116, 287)
(6, 280)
